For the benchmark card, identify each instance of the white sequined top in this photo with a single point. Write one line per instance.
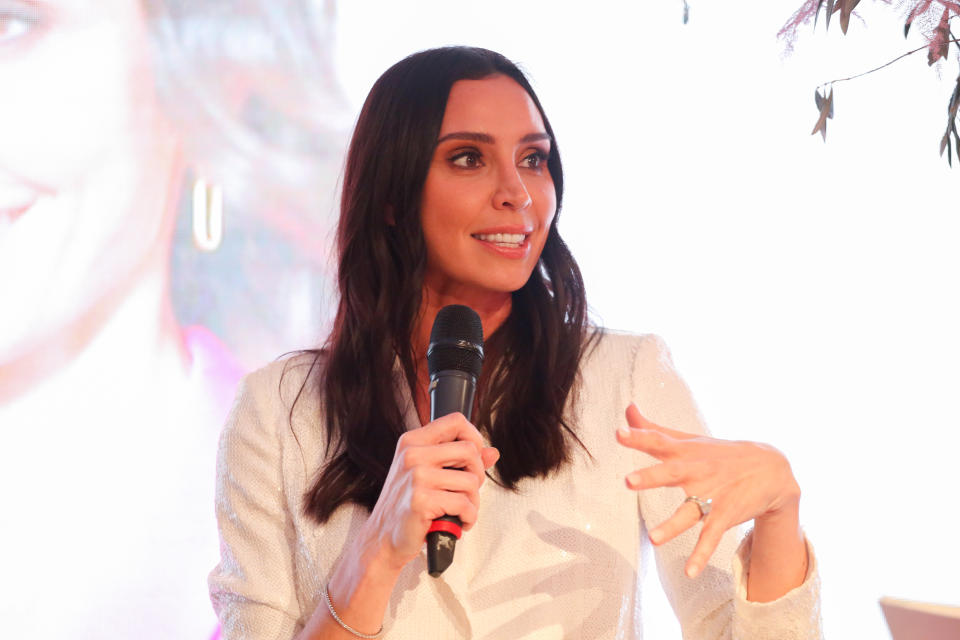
(560, 558)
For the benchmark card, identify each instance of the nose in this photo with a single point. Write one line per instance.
(511, 192)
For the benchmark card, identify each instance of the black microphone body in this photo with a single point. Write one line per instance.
(451, 391)
(454, 358)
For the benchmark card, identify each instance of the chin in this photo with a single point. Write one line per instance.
(510, 285)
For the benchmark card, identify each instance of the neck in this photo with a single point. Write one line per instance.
(492, 307)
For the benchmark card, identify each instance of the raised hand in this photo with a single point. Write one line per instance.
(743, 480)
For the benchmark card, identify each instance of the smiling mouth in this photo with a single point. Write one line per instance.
(506, 240)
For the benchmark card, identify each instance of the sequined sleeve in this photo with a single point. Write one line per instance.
(252, 588)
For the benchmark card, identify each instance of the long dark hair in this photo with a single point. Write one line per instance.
(532, 360)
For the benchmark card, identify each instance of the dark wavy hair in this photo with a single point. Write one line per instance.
(532, 359)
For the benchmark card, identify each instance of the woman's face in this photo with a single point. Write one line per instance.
(489, 199)
(86, 163)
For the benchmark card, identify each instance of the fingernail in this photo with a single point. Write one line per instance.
(633, 479)
(623, 430)
(656, 536)
(692, 571)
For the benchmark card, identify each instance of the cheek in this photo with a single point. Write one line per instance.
(547, 204)
(79, 91)
(448, 207)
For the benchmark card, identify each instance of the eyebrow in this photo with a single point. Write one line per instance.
(486, 138)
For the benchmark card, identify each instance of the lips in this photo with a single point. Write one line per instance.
(506, 236)
(514, 240)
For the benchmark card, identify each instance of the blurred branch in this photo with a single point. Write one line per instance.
(898, 58)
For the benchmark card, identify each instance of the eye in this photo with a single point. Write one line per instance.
(16, 22)
(467, 159)
(535, 160)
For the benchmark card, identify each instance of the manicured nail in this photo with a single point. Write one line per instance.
(623, 430)
(656, 536)
(692, 571)
(633, 479)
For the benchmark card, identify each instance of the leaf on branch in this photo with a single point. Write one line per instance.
(954, 103)
(816, 14)
(830, 10)
(846, 8)
(819, 101)
(825, 105)
(952, 107)
(939, 46)
(956, 143)
(918, 9)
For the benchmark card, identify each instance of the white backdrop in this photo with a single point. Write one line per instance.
(808, 291)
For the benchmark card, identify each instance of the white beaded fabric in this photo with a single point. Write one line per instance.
(560, 558)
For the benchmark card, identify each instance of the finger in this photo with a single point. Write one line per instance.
(686, 515)
(667, 474)
(490, 456)
(454, 480)
(432, 504)
(458, 454)
(638, 421)
(453, 426)
(706, 545)
(658, 445)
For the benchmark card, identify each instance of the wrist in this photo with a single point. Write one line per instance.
(371, 557)
(778, 554)
(786, 518)
(786, 513)
(359, 588)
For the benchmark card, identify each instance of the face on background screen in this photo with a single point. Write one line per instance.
(489, 199)
(87, 163)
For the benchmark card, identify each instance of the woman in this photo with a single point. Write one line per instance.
(99, 492)
(330, 471)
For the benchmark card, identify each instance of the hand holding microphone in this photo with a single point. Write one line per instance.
(437, 470)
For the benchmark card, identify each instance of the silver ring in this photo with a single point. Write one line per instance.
(703, 505)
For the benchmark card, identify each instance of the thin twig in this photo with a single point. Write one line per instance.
(859, 75)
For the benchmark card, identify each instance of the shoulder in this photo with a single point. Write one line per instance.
(281, 381)
(639, 367)
(612, 364)
(280, 395)
(625, 352)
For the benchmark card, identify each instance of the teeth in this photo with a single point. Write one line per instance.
(501, 238)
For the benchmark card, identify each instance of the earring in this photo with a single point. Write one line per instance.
(207, 215)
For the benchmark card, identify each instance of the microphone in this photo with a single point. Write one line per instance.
(454, 359)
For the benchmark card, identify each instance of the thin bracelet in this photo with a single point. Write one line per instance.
(326, 596)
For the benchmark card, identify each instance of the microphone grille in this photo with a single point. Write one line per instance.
(456, 341)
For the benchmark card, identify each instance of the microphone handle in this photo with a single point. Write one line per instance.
(450, 391)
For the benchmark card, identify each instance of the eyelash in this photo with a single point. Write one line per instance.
(23, 18)
(541, 158)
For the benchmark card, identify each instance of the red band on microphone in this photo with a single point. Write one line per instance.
(447, 527)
